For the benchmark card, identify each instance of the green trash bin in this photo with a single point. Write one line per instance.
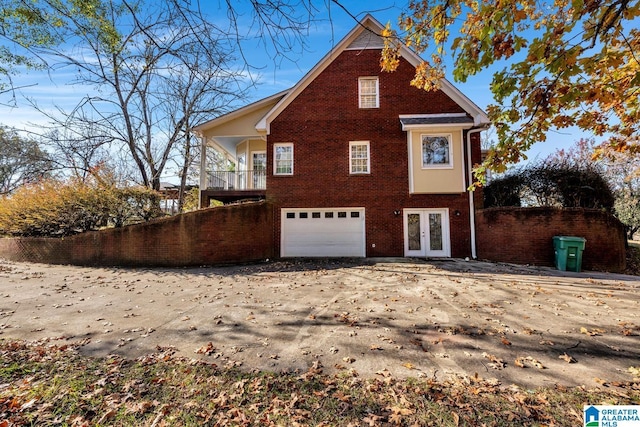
(568, 252)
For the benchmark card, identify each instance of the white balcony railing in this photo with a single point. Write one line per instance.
(237, 180)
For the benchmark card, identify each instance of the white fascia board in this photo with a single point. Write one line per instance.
(367, 22)
(437, 125)
(232, 115)
(431, 116)
(480, 118)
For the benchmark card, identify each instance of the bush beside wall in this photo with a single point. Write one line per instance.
(524, 236)
(222, 235)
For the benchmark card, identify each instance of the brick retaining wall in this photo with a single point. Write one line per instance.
(524, 236)
(221, 235)
(245, 233)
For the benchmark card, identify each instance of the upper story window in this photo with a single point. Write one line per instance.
(368, 92)
(283, 159)
(359, 157)
(436, 151)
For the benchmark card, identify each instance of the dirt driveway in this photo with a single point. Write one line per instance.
(523, 325)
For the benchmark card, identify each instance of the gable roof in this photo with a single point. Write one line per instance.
(231, 128)
(365, 35)
(247, 109)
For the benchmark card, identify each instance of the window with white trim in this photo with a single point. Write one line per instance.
(359, 157)
(368, 92)
(436, 151)
(283, 159)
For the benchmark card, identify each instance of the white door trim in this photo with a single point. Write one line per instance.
(424, 243)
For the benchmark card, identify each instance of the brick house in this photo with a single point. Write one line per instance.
(354, 161)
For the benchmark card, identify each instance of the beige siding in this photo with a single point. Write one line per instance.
(240, 126)
(249, 147)
(257, 145)
(436, 180)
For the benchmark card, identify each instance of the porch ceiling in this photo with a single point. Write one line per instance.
(227, 143)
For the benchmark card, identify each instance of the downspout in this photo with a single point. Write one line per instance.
(203, 167)
(472, 208)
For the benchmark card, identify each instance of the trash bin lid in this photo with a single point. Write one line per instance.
(572, 238)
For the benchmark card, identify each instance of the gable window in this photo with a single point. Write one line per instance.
(368, 92)
(359, 157)
(436, 151)
(283, 159)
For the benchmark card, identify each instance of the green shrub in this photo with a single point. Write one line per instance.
(551, 183)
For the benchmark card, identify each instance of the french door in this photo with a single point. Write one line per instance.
(426, 233)
(259, 170)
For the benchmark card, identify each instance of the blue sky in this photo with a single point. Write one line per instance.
(331, 24)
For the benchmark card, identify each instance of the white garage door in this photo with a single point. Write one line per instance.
(325, 232)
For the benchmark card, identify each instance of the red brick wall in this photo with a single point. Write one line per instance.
(524, 236)
(230, 234)
(325, 117)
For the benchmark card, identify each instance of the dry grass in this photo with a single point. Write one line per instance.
(45, 384)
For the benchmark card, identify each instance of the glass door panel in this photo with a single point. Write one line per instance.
(435, 232)
(260, 170)
(414, 230)
(426, 233)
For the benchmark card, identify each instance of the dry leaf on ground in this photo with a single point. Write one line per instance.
(496, 363)
(567, 358)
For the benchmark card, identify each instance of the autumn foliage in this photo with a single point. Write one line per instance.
(55, 207)
(560, 64)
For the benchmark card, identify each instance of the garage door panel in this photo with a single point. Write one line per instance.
(326, 235)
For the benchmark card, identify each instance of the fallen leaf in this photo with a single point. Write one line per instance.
(593, 332)
(535, 363)
(505, 341)
(496, 363)
(567, 358)
(107, 416)
(456, 419)
(372, 420)
(206, 349)
(342, 397)
(28, 405)
(397, 414)
(384, 373)
(601, 381)
(408, 365)
(519, 362)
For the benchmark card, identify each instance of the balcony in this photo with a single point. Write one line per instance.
(232, 186)
(237, 180)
